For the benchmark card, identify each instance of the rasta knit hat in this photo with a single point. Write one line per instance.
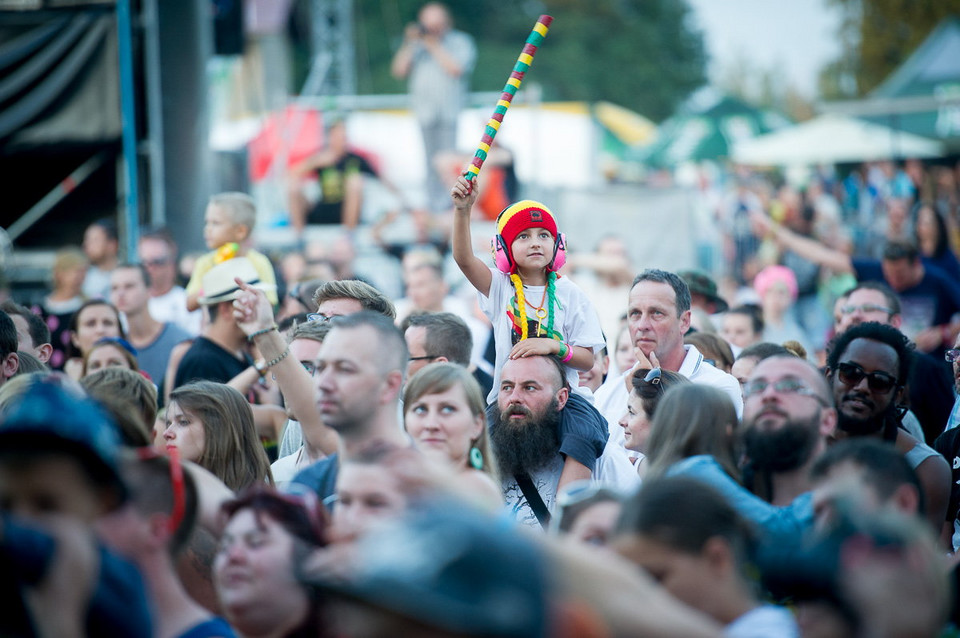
(522, 215)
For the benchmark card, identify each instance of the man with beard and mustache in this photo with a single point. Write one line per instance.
(867, 367)
(526, 439)
(788, 415)
(928, 386)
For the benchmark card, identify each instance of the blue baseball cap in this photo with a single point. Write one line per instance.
(51, 417)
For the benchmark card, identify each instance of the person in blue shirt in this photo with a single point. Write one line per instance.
(58, 477)
(928, 295)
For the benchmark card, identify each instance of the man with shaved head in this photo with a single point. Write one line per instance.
(526, 440)
(358, 377)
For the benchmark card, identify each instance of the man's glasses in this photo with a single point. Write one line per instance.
(851, 374)
(865, 308)
(316, 316)
(176, 482)
(951, 355)
(786, 385)
(156, 263)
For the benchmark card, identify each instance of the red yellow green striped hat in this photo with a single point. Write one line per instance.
(522, 215)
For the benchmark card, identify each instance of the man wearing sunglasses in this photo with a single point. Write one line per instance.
(168, 302)
(929, 387)
(867, 367)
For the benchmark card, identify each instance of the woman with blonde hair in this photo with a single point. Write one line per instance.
(211, 424)
(65, 298)
(444, 415)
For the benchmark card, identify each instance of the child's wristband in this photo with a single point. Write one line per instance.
(562, 352)
(569, 354)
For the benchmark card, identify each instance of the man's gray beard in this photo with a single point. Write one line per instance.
(784, 449)
(527, 445)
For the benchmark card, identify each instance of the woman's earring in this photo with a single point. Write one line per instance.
(476, 458)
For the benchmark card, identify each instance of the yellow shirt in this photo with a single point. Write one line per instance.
(260, 263)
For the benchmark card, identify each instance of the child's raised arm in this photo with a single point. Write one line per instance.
(464, 194)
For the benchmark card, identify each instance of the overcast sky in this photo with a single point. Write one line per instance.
(798, 36)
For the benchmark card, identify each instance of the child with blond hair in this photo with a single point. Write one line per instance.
(227, 228)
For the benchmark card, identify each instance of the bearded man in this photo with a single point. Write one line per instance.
(867, 367)
(788, 416)
(526, 438)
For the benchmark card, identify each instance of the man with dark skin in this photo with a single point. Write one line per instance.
(929, 384)
(867, 367)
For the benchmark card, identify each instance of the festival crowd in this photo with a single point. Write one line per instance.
(541, 441)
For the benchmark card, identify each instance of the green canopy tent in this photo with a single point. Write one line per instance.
(923, 95)
(707, 131)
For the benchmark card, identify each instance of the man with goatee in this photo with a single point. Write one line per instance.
(867, 368)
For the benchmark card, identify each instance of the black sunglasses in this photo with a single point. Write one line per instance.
(851, 374)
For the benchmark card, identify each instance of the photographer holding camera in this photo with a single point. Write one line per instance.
(438, 61)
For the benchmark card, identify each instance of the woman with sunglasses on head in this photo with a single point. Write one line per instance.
(444, 415)
(648, 386)
(267, 537)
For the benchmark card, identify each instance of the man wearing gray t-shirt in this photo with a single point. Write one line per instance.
(438, 61)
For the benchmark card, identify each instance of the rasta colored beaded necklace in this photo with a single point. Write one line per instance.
(542, 311)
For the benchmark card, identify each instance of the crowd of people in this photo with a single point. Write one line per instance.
(310, 457)
(537, 442)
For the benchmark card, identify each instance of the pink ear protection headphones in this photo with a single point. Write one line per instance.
(504, 262)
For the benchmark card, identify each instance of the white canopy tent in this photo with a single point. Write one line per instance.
(831, 139)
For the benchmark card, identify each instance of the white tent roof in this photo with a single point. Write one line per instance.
(831, 139)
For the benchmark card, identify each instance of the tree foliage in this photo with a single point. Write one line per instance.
(876, 37)
(642, 54)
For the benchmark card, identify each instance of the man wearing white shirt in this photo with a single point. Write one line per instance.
(168, 302)
(658, 315)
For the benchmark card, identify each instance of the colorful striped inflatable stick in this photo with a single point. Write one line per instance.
(509, 90)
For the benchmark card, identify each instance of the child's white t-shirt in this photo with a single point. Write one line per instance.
(575, 319)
